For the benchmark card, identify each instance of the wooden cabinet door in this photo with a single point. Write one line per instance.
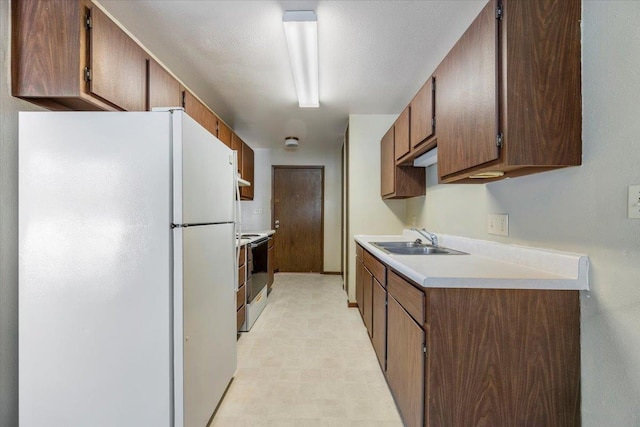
(401, 136)
(359, 287)
(367, 299)
(164, 89)
(236, 144)
(387, 164)
(199, 112)
(379, 337)
(423, 114)
(405, 363)
(246, 193)
(467, 99)
(118, 65)
(224, 133)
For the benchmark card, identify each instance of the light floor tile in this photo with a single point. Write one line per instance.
(307, 361)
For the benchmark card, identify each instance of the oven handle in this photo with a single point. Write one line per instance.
(259, 243)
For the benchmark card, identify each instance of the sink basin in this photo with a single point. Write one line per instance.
(414, 248)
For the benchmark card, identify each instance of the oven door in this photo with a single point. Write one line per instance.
(259, 272)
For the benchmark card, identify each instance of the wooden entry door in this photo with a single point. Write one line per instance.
(298, 208)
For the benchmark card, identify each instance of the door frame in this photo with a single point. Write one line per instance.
(273, 192)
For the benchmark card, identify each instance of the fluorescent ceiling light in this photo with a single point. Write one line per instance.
(301, 30)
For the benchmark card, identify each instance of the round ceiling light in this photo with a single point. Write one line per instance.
(291, 142)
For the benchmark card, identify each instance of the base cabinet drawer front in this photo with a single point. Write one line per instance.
(241, 260)
(241, 276)
(240, 297)
(379, 313)
(376, 268)
(406, 364)
(240, 317)
(411, 298)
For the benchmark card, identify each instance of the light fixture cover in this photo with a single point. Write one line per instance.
(291, 142)
(301, 31)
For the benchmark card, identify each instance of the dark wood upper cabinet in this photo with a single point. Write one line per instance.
(224, 134)
(423, 122)
(50, 55)
(402, 144)
(199, 112)
(118, 69)
(509, 92)
(247, 172)
(164, 89)
(398, 182)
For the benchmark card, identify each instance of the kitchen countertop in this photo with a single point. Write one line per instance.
(260, 234)
(487, 265)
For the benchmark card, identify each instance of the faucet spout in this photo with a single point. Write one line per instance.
(429, 236)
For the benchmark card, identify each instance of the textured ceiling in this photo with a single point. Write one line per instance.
(374, 56)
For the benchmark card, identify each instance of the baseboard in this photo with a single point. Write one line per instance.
(334, 273)
(352, 304)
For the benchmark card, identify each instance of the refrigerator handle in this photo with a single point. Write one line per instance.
(237, 218)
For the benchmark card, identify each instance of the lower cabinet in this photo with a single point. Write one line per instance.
(473, 356)
(405, 363)
(270, 263)
(379, 313)
(241, 294)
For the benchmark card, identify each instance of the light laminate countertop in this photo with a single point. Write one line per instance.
(487, 265)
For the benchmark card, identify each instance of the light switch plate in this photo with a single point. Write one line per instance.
(498, 224)
(634, 201)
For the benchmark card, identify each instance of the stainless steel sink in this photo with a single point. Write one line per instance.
(414, 248)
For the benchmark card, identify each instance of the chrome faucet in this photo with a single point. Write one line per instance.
(429, 236)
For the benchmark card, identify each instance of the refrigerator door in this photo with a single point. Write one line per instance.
(95, 296)
(203, 170)
(204, 264)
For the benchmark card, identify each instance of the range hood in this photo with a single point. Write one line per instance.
(427, 159)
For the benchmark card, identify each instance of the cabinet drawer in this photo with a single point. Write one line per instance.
(240, 297)
(376, 268)
(240, 317)
(359, 251)
(242, 255)
(241, 275)
(411, 298)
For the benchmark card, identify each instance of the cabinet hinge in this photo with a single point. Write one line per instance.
(87, 74)
(499, 12)
(433, 122)
(184, 95)
(424, 348)
(499, 140)
(88, 22)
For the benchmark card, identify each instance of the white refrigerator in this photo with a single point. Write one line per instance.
(127, 269)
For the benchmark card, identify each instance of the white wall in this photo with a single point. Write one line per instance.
(580, 209)
(304, 155)
(368, 213)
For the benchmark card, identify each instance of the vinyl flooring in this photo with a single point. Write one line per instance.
(307, 361)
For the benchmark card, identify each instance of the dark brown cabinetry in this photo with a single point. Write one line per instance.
(118, 66)
(367, 300)
(224, 133)
(236, 144)
(402, 144)
(164, 89)
(520, 73)
(199, 112)
(247, 172)
(398, 182)
(423, 119)
(405, 363)
(499, 357)
(56, 64)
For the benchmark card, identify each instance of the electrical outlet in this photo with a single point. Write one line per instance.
(257, 211)
(498, 224)
(634, 201)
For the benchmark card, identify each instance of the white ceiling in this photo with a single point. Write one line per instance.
(374, 56)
